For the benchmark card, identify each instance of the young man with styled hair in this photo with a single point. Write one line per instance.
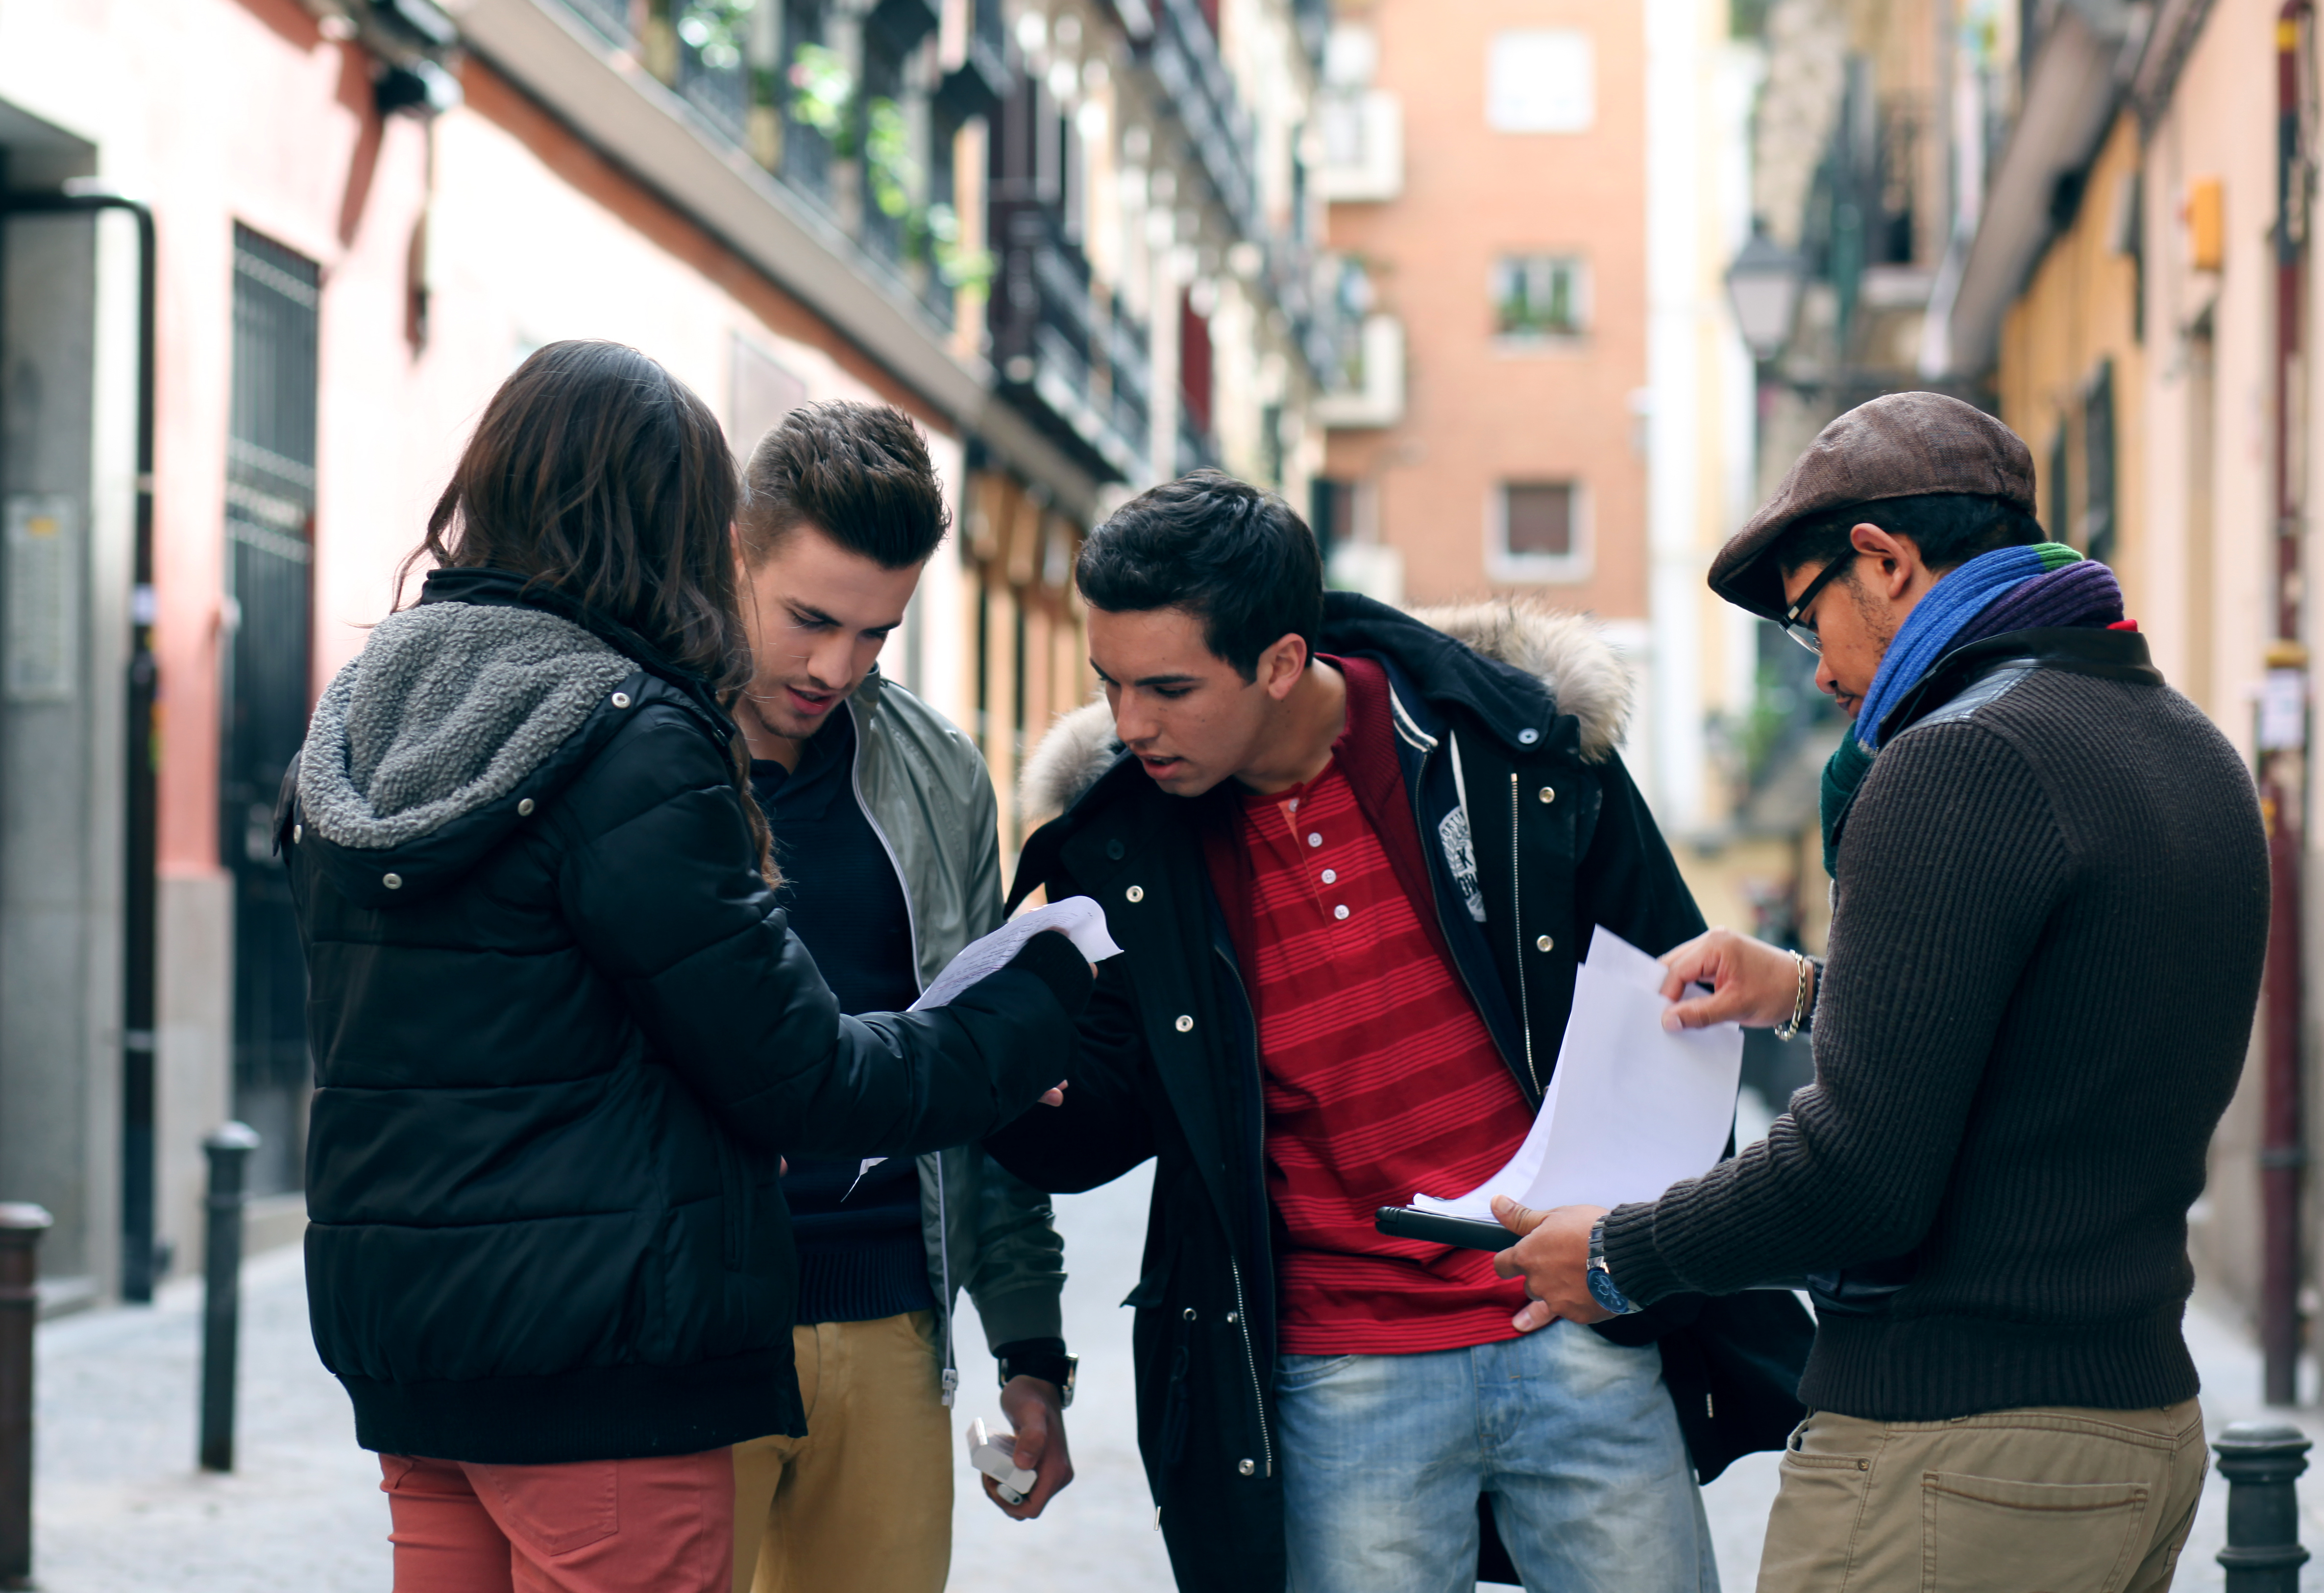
(1353, 856)
(2050, 911)
(885, 830)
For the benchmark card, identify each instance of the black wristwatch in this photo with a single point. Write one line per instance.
(1045, 1358)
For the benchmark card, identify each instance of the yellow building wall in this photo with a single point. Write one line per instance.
(2078, 313)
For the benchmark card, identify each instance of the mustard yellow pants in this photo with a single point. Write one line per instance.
(864, 1502)
(2063, 1500)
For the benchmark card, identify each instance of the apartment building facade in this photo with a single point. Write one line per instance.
(362, 215)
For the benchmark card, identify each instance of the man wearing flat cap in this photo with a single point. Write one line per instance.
(2050, 904)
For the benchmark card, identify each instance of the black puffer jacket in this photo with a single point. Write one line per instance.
(561, 1036)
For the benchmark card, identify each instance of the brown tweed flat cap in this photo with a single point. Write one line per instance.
(1898, 445)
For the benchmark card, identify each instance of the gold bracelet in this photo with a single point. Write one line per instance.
(1799, 1002)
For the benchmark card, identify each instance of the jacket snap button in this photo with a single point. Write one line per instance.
(297, 834)
(620, 699)
(1233, 1317)
(1136, 893)
(1186, 1024)
(1544, 944)
(1528, 737)
(524, 808)
(393, 881)
(1188, 1314)
(1114, 850)
(1245, 1467)
(1548, 795)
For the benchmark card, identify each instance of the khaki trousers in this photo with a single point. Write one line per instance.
(2047, 1500)
(864, 1502)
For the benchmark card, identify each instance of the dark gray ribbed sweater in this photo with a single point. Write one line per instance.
(2045, 953)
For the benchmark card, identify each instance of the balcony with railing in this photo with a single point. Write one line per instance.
(842, 130)
(1073, 362)
(1176, 42)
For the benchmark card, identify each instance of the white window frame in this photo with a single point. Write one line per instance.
(1585, 301)
(1543, 569)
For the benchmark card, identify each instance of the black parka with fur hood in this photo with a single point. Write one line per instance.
(1539, 837)
(562, 1035)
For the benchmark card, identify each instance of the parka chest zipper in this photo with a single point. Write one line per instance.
(1516, 927)
(1446, 929)
(1242, 1309)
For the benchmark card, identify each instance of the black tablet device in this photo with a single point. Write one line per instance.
(1403, 1223)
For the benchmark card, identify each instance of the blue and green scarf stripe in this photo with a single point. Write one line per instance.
(2009, 589)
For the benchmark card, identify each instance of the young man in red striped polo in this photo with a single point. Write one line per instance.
(1353, 858)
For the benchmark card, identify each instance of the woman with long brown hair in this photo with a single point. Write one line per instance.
(561, 1033)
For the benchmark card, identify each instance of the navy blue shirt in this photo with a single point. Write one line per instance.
(861, 1253)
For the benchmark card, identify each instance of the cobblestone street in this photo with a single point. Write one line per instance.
(121, 1508)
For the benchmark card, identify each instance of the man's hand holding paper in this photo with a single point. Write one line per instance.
(1631, 1109)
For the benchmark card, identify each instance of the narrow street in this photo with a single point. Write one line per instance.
(121, 1508)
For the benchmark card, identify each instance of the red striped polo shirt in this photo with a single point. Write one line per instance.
(1380, 1079)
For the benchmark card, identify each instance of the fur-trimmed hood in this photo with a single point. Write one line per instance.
(1564, 651)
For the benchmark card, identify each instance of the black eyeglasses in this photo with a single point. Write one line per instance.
(1804, 634)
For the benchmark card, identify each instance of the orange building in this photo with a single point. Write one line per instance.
(1505, 251)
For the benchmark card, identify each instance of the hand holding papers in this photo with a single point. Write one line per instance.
(1078, 918)
(1631, 1109)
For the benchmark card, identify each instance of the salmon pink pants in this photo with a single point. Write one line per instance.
(665, 1523)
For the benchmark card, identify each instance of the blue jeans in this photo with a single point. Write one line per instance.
(1384, 1457)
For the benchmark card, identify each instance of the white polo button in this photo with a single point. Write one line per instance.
(620, 699)
(1331, 876)
(393, 881)
(1544, 944)
(1186, 1024)
(1340, 911)
(524, 808)
(1548, 795)
(1314, 839)
(1136, 893)
(297, 834)
(1528, 737)
(1245, 1467)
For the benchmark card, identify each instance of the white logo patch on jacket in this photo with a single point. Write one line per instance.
(1460, 853)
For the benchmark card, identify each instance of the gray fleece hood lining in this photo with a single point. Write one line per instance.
(449, 706)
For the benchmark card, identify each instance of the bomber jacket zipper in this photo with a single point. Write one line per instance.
(951, 1373)
(1242, 1309)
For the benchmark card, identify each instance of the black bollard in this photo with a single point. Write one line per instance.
(21, 1228)
(229, 1148)
(2260, 1461)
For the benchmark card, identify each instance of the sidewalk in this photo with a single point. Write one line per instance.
(121, 1509)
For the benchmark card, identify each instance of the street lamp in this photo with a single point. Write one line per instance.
(1762, 287)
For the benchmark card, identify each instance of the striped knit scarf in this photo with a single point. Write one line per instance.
(2048, 585)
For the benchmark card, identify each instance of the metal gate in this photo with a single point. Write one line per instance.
(269, 516)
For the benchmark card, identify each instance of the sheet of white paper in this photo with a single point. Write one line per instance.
(1078, 918)
(1631, 1109)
